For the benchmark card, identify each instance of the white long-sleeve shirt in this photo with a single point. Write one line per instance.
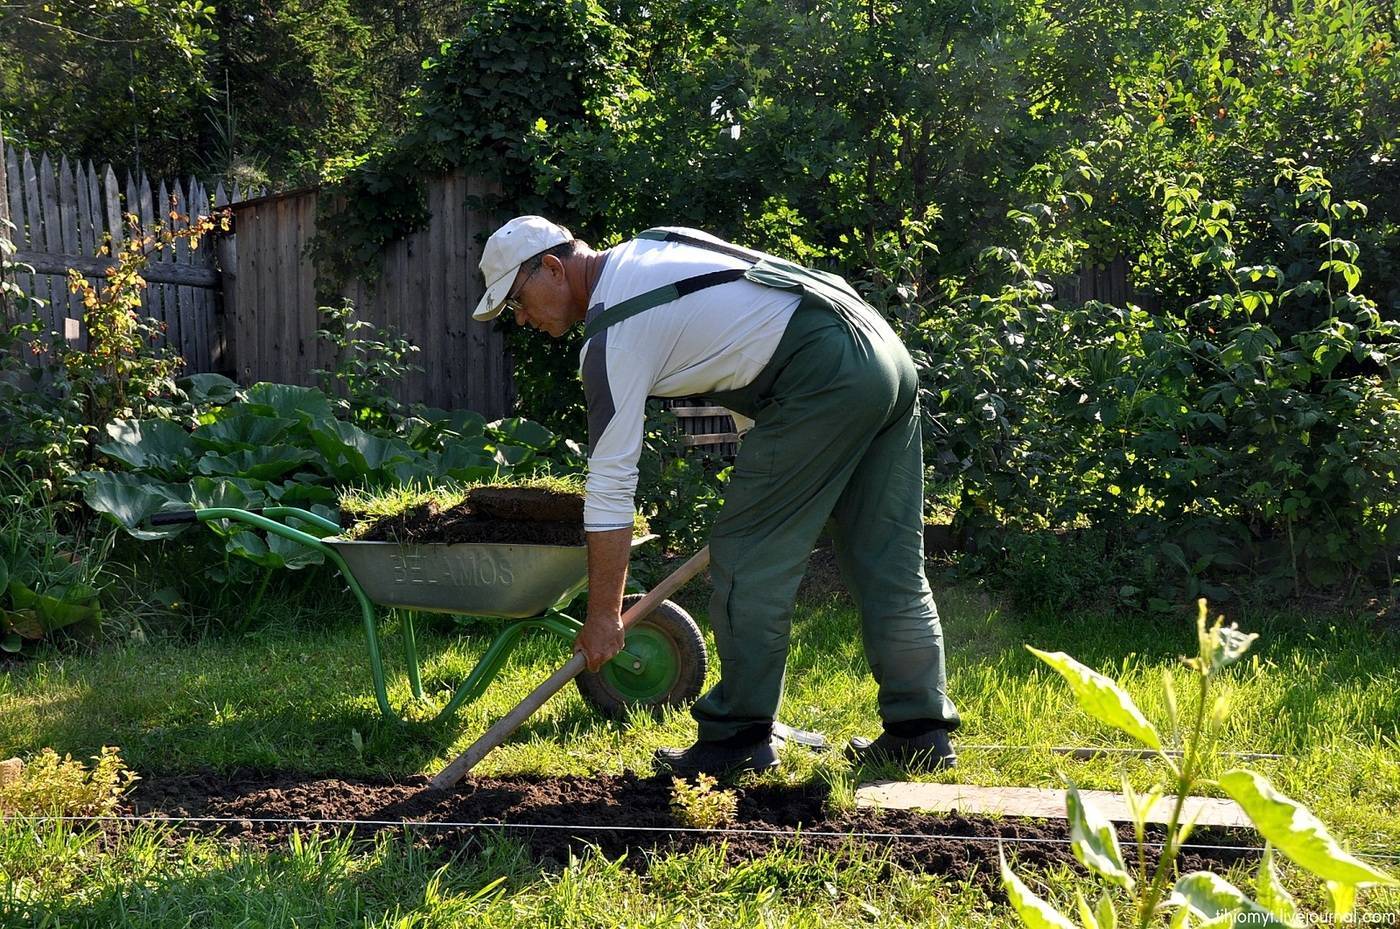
(714, 339)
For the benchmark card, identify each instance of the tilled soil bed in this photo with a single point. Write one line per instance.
(621, 814)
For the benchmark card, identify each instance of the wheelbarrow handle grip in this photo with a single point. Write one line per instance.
(513, 720)
(174, 517)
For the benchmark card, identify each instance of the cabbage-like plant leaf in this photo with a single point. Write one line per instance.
(274, 552)
(248, 544)
(417, 470)
(434, 426)
(293, 554)
(470, 452)
(267, 463)
(301, 490)
(23, 624)
(1102, 698)
(57, 607)
(305, 404)
(205, 492)
(1211, 897)
(150, 444)
(242, 431)
(351, 454)
(208, 389)
(526, 432)
(1296, 832)
(513, 456)
(1094, 841)
(1034, 912)
(129, 499)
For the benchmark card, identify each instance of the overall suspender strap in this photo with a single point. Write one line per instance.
(665, 294)
(662, 235)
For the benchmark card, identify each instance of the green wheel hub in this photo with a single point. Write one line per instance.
(664, 665)
(660, 665)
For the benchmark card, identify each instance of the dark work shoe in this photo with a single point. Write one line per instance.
(932, 751)
(812, 741)
(719, 759)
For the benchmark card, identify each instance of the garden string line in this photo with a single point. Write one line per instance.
(795, 834)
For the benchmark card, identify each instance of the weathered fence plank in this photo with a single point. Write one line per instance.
(14, 206)
(156, 273)
(433, 356)
(145, 213)
(478, 334)
(34, 219)
(224, 353)
(68, 236)
(53, 240)
(113, 206)
(179, 255)
(96, 227)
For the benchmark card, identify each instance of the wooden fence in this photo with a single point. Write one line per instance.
(60, 214)
(1109, 282)
(427, 289)
(245, 304)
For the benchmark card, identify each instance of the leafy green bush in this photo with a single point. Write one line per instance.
(1199, 897)
(1251, 438)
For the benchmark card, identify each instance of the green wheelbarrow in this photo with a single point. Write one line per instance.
(663, 662)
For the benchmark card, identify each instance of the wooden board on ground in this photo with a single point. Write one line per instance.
(1039, 802)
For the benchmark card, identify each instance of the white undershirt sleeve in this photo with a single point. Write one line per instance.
(616, 392)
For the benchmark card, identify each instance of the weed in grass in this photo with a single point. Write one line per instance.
(841, 789)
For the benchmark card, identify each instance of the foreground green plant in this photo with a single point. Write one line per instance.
(49, 785)
(700, 805)
(1200, 897)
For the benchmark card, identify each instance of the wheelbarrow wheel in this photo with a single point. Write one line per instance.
(674, 661)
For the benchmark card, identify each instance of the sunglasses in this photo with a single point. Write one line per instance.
(511, 304)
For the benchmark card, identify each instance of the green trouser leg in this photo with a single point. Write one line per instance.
(836, 433)
(880, 550)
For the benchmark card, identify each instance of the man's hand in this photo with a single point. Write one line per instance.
(601, 636)
(600, 639)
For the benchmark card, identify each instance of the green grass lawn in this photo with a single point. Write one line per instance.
(294, 693)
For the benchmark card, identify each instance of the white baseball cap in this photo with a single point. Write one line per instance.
(508, 248)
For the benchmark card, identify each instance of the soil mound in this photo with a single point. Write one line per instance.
(627, 814)
(519, 515)
(532, 504)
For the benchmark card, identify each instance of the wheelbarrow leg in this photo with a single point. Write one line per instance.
(376, 661)
(410, 653)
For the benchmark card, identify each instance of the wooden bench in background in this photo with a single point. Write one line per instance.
(708, 430)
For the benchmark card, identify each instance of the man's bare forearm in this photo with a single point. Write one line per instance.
(608, 554)
(601, 637)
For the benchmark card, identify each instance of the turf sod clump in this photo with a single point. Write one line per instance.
(538, 511)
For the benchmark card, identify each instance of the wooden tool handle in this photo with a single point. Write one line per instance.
(513, 720)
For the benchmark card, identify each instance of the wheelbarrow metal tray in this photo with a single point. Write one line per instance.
(482, 579)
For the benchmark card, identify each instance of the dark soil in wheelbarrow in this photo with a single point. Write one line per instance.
(623, 814)
(520, 515)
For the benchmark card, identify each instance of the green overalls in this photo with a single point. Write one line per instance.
(836, 435)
